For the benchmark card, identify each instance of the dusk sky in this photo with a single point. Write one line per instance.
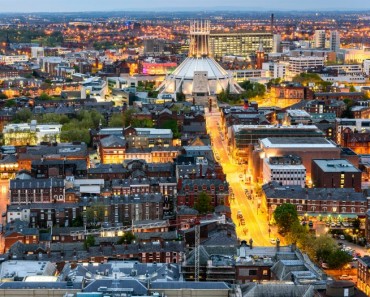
(110, 5)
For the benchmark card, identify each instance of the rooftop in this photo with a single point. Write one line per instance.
(296, 142)
(335, 165)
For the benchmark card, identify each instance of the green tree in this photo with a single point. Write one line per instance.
(172, 124)
(23, 115)
(95, 214)
(45, 97)
(285, 216)
(180, 96)
(324, 247)
(142, 123)
(71, 135)
(128, 238)
(116, 120)
(78, 221)
(352, 89)
(89, 241)
(10, 103)
(128, 116)
(203, 203)
(338, 258)
(3, 96)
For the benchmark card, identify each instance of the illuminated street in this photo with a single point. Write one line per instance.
(256, 220)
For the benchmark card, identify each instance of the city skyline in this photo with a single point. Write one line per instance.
(145, 5)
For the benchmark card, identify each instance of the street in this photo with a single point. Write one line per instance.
(256, 221)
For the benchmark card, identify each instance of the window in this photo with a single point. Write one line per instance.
(252, 272)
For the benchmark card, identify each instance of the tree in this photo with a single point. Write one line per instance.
(180, 96)
(10, 103)
(324, 247)
(89, 241)
(3, 96)
(171, 124)
(338, 258)
(23, 115)
(78, 221)
(116, 120)
(204, 203)
(285, 216)
(95, 214)
(126, 238)
(45, 97)
(352, 89)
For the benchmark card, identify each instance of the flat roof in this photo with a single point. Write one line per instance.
(238, 128)
(336, 165)
(297, 142)
(298, 113)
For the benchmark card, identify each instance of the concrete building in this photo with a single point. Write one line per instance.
(242, 138)
(298, 65)
(94, 87)
(199, 75)
(240, 44)
(286, 170)
(307, 148)
(335, 173)
(296, 117)
(320, 38)
(334, 41)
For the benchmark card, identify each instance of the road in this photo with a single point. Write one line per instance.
(256, 221)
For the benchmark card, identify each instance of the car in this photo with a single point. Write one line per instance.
(345, 277)
(345, 224)
(338, 224)
(327, 224)
(341, 237)
(333, 225)
(273, 240)
(324, 265)
(310, 224)
(242, 221)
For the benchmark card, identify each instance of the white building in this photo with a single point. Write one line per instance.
(31, 133)
(298, 65)
(319, 38)
(351, 73)
(199, 75)
(276, 69)
(334, 41)
(276, 43)
(284, 170)
(367, 67)
(37, 52)
(94, 87)
(9, 60)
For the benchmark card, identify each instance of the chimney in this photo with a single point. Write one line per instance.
(272, 23)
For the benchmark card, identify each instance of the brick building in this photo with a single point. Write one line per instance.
(30, 190)
(317, 201)
(335, 173)
(188, 191)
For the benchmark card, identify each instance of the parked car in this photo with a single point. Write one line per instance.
(273, 240)
(341, 237)
(345, 277)
(242, 221)
(324, 265)
(338, 224)
(239, 214)
(310, 224)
